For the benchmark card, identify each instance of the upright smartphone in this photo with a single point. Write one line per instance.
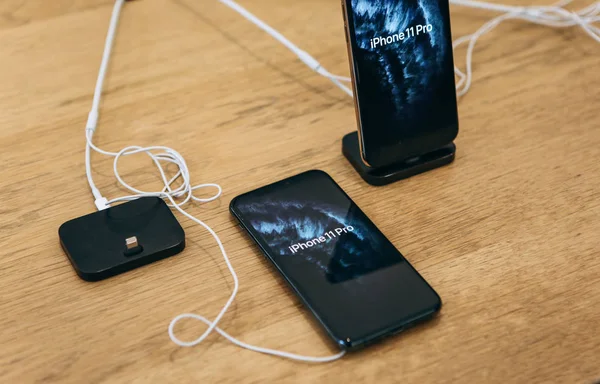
(352, 278)
(403, 77)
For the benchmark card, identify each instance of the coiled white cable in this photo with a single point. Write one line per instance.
(552, 16)
(185, 191)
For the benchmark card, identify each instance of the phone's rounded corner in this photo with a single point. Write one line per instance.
(361, 151)
(438, 305)
(345, 343)
(455, 131)
(318, 172)
(363, 157)
(371, 159)
(232, 205)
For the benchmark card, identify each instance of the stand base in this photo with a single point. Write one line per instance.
(121, 238)
(395, 172)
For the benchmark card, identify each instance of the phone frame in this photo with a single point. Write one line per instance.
(342, 341)
(407, 147)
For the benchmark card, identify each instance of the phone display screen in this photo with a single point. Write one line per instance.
(404, 73)
(348, 273)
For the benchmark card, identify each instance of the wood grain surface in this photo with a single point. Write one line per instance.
(509, 235)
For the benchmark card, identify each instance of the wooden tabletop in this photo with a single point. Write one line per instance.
(509, 234)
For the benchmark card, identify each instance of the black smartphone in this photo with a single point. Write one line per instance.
(402, 70)
(348, 274)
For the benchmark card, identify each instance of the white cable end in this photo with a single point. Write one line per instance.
(101, 203)
(309, 60)
(92, 121)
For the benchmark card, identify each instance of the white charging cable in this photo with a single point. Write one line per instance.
(185, 191)
(552, 16)
(307, 59)
(167, 154)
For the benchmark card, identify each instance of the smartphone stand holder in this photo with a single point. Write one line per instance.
(402, 170)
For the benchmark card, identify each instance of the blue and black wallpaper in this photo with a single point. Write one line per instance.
(407, 86)
(350, 245)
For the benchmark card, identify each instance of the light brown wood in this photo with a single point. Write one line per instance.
(508, 234)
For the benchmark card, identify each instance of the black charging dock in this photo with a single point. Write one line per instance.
(399, 171)
(121, 238)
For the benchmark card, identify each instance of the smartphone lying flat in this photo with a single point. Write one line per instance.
(349, 275)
